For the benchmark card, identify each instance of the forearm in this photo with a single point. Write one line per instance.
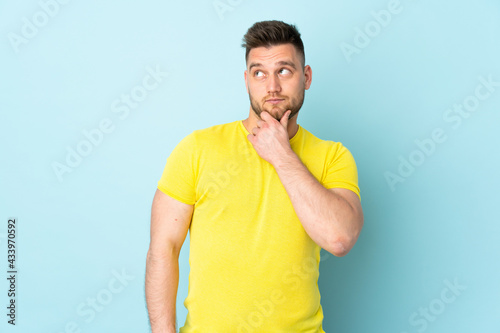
(162, 280)
(326, 217)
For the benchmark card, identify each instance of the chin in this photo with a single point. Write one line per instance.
(277, 113)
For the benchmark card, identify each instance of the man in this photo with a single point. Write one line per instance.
(260, 198)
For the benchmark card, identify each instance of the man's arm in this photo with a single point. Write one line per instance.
(170, 220)
(333, 218)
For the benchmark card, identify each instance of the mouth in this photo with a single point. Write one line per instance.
(274, 100)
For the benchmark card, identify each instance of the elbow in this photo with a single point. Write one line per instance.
(342, 242)
(342, 245)
(339, 248)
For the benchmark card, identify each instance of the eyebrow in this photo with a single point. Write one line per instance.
(279, 63)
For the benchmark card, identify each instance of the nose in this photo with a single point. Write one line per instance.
(273, 84)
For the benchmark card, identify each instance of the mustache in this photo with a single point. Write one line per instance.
(273, 97)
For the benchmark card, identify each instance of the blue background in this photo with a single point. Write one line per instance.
(438, 226)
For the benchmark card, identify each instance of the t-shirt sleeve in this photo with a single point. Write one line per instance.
(341, 171)
(179, 175)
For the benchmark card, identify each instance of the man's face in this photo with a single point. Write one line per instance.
(276, 80)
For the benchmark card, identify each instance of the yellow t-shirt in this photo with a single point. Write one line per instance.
(253, 267)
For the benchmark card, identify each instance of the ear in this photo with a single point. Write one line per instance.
(308, 74)
(246, 80)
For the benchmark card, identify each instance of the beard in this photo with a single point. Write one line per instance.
(276, 111)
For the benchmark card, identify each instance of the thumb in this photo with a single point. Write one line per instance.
(284, 118)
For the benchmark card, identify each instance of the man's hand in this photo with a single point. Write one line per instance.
(270, 137)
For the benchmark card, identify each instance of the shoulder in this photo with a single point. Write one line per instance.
(216, 130)
(328, 147)
(209, 136)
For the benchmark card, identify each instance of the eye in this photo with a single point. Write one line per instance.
(258, 73)
(285, 71)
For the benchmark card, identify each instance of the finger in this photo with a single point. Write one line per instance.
(265, 116)
(255, 130)
(284, 118)
(259, 123)
(250, 137)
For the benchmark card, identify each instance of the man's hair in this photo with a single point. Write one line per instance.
(273, 33)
